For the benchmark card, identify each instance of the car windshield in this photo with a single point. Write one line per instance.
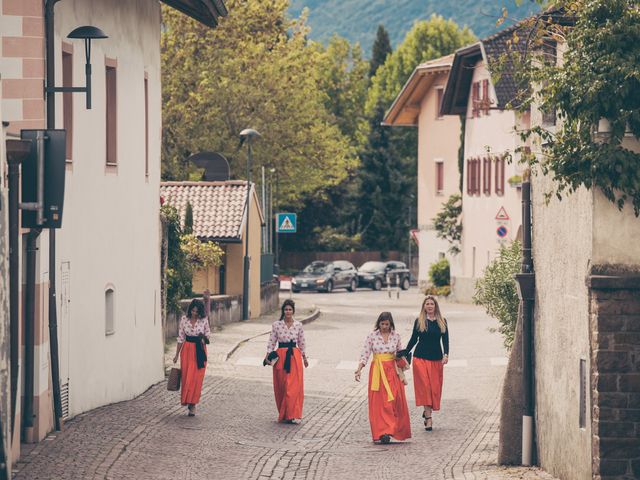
(371, 266)
(315, 268)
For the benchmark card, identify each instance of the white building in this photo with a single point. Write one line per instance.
(108, 249)
(491, 200)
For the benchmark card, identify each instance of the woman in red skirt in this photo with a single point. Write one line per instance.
(431, 335)
(287, 341)
(193, 336)
(388, 411)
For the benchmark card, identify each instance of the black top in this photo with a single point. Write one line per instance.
(429, 341)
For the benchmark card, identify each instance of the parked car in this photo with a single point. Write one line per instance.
(374, 275)
(326, 276)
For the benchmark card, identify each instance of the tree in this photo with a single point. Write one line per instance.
(448, 223)
(188, 219)
(256, 69)
(380, 51)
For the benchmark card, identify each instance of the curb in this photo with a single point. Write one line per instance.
(304, 321)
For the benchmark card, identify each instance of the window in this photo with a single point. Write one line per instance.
(439, 177)
(499, 176)
(111, 111)
(146, 124)
(475, 99)
(473, 176)
(109, 311)
(67, 97)
(486, 176)
(439, 96)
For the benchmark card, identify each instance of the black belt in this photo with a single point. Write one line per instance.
(287, 359)
(201, 355)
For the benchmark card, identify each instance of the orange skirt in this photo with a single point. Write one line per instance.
(389, 417)
(191, 375)
(288, 387)
(427, 382)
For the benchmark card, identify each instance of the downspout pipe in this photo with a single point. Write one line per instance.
(29, 338)
(526, 290)
(53, 314)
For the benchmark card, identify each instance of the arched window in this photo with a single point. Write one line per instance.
(109, 310)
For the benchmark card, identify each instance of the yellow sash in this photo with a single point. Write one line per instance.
(378, 371)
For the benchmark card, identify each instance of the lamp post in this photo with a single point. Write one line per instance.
(247, 135)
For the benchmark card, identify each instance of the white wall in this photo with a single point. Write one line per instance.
(110, 234)
(491, 134)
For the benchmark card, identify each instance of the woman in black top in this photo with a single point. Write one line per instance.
(429, 332)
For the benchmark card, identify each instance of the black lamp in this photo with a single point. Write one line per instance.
(87, 33)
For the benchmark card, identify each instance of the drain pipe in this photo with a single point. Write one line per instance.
(526, 291)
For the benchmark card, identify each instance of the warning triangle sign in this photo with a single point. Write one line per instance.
(502, 214)
(286, 225)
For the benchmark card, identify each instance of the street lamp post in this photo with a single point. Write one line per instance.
(247, 135)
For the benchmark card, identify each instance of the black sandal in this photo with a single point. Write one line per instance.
(426, 419)
(385, 439)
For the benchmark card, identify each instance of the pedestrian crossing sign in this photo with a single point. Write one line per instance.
(286, 222)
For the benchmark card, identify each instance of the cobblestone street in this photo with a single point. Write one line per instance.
(235, 436)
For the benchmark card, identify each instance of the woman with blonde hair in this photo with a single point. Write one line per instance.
(430, 337)
(388, 411)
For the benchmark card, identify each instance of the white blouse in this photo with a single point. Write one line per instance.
(374, 343)
(281, 333)
(186, 329)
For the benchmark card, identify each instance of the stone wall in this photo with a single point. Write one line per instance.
(615, 375)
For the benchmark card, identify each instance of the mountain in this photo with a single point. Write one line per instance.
(357, 20)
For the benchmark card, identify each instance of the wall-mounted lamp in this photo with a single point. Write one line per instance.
(87, 33)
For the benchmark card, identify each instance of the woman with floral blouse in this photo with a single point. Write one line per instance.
(287, 341)
(388, 411)
(193, 336)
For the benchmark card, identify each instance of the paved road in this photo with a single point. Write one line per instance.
(235, 434)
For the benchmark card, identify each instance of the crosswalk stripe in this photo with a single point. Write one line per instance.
(352, 364)
(250, 361)
(457, 363)
(347, 365)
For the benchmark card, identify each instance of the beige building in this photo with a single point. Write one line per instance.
(418, 105)
(219, 215)
(491, 199)
(107, 252)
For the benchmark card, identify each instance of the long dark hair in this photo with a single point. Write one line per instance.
(287, 303)
(382, 317)
(195, 303)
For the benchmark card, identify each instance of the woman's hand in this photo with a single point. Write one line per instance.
(357, 373)
(175, 358)
(445, 359)
(306, 362)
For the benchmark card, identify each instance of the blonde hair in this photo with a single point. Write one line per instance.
(422, 317)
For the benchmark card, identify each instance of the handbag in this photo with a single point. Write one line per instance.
(271, 359)
(173, 383)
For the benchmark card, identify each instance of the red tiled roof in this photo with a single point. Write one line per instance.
(218, 207)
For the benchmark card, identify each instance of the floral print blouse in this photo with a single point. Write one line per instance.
(186, 329)
(281, 333)
(374, 343)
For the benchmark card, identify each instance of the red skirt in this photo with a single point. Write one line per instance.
(191, 375)
(389, 417)
(427, 382)
(288, 387)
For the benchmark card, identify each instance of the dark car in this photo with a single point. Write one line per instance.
(374, 275)
(325, 276)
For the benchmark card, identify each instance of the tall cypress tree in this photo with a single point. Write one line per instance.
(381, 50)
(188, 219)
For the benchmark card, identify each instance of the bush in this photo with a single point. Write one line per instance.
(438, 291)
(439, 273)
(496, 290)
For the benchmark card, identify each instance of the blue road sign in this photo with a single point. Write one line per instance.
(502, 231)
(286, 222)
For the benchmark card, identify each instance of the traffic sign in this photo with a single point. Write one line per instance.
(502, 231)
(286, 223)
(502, 214)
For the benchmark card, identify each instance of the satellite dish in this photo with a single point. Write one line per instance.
(216, 167)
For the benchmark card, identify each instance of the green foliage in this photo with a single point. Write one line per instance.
(178, 272)
(201, 254)
(448, 222)
(256, 69)
(188, 219)
(427, 40)
(380, 51)
(597, 80)
(333, 240)
(443, 291)
(439, 273)
(496, 290)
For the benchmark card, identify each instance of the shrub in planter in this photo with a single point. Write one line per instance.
(444, 291)
(496, 290)
(439, 273)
